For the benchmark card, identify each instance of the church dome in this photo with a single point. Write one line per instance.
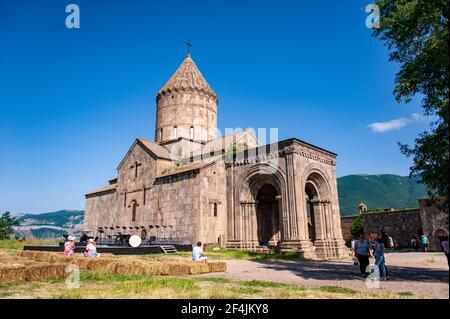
(187, 78)
(186, 107)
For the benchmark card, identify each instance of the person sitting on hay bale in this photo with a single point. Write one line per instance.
(69, 246)
(91, 249)
(198, 255)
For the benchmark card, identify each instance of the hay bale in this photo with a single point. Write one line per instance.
(12, 272)
(45, 271)
(217, 266)
(198, 268)
(175, 269)
(98, 263)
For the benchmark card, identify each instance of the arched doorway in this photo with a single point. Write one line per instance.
(267, 215)
(310, 215)
(318, 210)
(311, 196)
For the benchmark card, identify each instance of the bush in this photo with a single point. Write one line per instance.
(357, 227)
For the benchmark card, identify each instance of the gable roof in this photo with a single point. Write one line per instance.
(153, 149)
(105, 189)
(184, 169)
(225, 142)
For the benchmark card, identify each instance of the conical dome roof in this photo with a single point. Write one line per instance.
(187, 78)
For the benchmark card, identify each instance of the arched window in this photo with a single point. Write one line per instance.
(175, 131)
(215, 209)
(133, 211)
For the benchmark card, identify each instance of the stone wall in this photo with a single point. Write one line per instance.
(401, 225)
(434, 223)
(346, 223)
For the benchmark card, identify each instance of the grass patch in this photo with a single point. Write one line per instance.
(98, 285)
(246, 290)
(405, 294)
(266, 284)
(249, 255)
(218, 280)
(337, 290)
(18, 244)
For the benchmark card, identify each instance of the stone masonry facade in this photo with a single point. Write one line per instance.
(192, 184)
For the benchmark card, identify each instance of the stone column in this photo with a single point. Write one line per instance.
(297, 239)
(320, 243)
(253, 225)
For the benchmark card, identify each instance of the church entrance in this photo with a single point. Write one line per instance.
(267, 216)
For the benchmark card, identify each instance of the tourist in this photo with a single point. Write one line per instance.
(69, 246)
(414, 243)
(444, 245)
(84, 238)
(362, 253)
(391, 242)
(352, 244)
(425, 242)
(198, 255)
(379, 258)
(91, 249)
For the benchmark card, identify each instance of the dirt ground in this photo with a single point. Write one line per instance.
(425, 275)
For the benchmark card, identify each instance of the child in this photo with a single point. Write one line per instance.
(69, 246)
(91, 249)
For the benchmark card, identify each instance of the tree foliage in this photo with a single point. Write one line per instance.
(357, 227)
(6, 225)
(416, 34)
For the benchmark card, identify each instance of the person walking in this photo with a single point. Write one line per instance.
(391, 242)
(444, 245)
(425, 242)
(414, 243)
(362, 253)
(380, 260)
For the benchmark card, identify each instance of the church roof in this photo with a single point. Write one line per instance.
(103, 190)
(225, 142)
(183, 169)
(158, 150)
(152, 148)
(187, 78)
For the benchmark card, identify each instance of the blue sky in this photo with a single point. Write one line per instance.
(72, 101)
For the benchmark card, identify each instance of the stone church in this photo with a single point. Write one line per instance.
(192, 184)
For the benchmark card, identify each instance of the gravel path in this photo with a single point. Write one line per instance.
(424, 274)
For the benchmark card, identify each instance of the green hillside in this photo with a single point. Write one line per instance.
(378, 191)
(50, 225)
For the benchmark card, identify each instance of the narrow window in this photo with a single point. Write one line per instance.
(215, 209)
(192, 132)
(174, 132)
(133, 212)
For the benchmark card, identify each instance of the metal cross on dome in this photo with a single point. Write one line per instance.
(189, 45)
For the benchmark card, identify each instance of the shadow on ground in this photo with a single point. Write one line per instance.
(344, 271)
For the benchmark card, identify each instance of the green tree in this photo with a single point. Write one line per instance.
(416, 34)
(6, 225)
(357, 227)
